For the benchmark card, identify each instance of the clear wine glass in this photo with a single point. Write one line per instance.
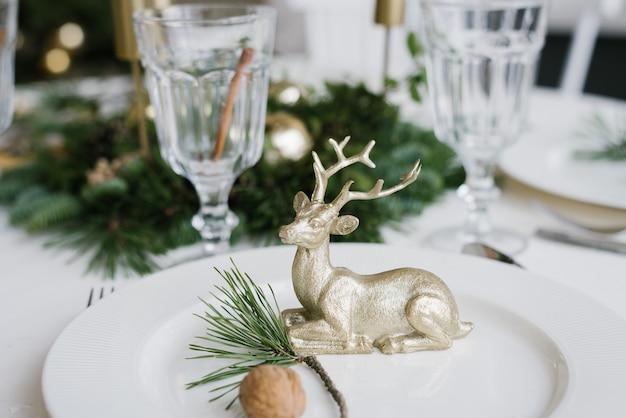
(207, 74)
(8, 29)
(480, 60)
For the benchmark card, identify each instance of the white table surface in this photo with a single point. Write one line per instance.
(42, 290)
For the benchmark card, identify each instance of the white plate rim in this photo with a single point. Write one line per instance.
(587, 327)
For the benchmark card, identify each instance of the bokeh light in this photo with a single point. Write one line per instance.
(57, 60)
(71, 35)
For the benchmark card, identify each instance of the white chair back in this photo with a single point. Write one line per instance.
(592, 16)
(343, 40)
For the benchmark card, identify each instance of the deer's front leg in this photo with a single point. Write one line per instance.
(295, 316)
(318, 337)
(332, 333)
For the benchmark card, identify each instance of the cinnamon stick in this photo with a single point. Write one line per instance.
(227, 112)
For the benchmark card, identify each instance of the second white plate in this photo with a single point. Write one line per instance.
(543, 157)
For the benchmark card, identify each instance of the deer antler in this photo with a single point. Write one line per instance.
(323, 174)
(377, 191)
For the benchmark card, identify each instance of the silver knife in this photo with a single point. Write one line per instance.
(568, 238)
(484, 250)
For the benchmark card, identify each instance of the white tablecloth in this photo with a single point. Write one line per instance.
(42, 290)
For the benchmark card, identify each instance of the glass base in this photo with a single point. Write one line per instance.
(453, 240)
(215, 231)
(215, 247)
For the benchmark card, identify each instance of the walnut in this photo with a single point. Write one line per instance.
(272, 392)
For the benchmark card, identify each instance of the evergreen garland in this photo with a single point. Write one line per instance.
(87, 183)
(363, 115)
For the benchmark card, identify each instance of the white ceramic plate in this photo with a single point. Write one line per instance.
(543, 157)
(538, 348)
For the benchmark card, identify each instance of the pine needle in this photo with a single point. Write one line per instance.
(604, 139)
(245, 321)
(246, 327)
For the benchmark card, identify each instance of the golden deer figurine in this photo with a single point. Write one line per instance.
(400, 310)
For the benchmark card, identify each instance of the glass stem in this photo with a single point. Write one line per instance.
(215, 221)
(478, 192)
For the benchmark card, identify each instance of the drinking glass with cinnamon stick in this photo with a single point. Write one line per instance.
(207, 75)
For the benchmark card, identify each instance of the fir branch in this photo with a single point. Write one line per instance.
(10, 189)
(16, 180)
(58, 208)
(247, 327)
(116, 246)
(28, 203)
(145, 209)
(604, 139)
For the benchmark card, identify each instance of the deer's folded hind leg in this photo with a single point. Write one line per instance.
(409, 343)
(433, 322)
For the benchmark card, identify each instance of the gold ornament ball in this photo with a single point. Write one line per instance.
(270, 391)
(289, 138)
(287, 93)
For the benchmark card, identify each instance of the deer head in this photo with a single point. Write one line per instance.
(315, 220)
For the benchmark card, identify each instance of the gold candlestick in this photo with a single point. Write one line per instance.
(126, 49)
(389, 13)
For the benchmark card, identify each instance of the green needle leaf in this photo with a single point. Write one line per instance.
(244, 326)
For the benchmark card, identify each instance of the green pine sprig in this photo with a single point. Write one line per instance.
(603, 139)
(246, 327)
